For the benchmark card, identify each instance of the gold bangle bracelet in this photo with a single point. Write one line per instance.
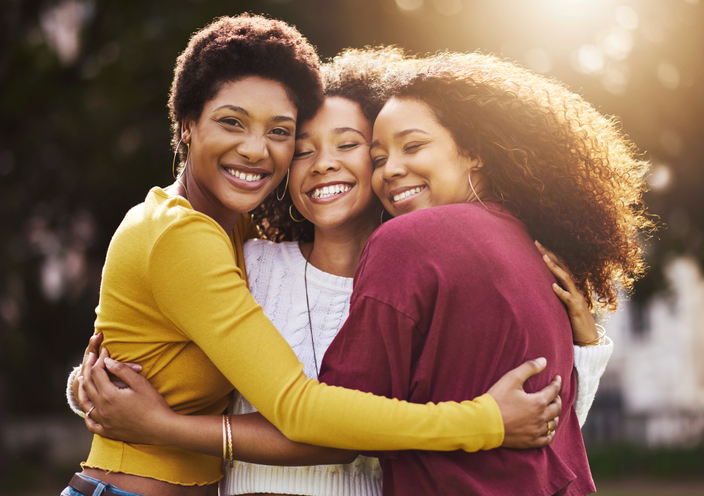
(224, 439)
(597, 341)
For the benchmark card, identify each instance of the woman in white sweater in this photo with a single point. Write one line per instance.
(304, 281)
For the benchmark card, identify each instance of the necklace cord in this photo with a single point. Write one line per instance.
(310, 322)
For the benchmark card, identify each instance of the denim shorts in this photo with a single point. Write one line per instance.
(102, 486)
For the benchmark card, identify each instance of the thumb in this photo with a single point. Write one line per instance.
(124, 372)
(528, 369)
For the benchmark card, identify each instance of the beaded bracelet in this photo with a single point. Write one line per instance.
(597, 341)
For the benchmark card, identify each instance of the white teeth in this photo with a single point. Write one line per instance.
(328, 191)
(406, 194)
(244, 176)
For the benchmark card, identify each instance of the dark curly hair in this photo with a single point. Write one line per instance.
(231, 48)
(564, 169)
(356, 75)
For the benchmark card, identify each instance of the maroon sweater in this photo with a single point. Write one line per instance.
(446, 300)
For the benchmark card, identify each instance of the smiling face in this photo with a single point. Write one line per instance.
(416, 161)
(240, 147)
(330, 177)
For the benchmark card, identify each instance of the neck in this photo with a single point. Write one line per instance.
(337, 251)
(204, 203)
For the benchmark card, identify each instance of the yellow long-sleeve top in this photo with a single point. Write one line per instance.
(174, 299)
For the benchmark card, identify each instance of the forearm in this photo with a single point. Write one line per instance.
(254, 440)
(72, 391)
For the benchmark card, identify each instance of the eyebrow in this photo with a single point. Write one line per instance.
(401, 134)
(276, 118)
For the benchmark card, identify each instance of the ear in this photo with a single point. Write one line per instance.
(186, 128)
(476, 163)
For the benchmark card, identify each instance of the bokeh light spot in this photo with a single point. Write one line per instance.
(409, 5)
(589, 59)
(615, 80)
(627, 18)
(660, 177)
(618, 44)
(668, 75)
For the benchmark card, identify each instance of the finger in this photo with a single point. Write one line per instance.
(94, 343)
(87, 385)
(124, 373)
(528, 369)
(553, 257)
(564, 296)
(562, 275)
(134, 366)
(554, 409)
(100, 376)
(84, 403)
(550, 393)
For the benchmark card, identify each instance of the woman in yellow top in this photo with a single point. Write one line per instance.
(174, 295)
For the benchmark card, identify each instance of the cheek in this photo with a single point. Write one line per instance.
(282, 155)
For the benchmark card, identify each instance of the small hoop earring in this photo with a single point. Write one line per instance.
(469, 176)
(290, 213)
(285, 186)
(381, 217)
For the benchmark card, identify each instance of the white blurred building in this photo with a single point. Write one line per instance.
(653, 390)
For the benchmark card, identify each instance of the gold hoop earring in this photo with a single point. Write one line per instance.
(173, 163)
(285, 186)
(469, 177)
(290, 213)
(381, 217)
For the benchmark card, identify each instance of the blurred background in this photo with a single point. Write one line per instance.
(84, 134)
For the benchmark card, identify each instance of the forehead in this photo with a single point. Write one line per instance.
(405, 113)
(255, 95)
(336, 113)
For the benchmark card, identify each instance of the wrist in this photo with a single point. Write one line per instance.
(594, 341)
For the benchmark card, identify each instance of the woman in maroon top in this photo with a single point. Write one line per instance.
(503, 156)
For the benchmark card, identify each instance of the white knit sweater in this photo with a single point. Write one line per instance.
(276, 279)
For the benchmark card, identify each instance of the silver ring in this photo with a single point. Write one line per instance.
(93, 408)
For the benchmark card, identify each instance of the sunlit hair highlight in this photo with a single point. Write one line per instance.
(564, 169)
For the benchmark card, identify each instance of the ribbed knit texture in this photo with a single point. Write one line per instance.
(276, 279)
(590, 362)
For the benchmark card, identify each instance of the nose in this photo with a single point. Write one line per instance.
(325, 162)
(253, 148)
(393, 168)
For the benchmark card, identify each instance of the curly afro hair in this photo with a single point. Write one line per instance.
(563, 168)
(357, 75)
(232, 48)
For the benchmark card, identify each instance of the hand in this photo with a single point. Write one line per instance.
(89, 357)
(583, 325)
(529, 420)
(136, 414)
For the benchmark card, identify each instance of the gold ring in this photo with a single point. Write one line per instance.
(93, 408)
(549, 429)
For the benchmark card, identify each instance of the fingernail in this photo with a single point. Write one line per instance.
(109, 362)
(546, 258)
(541, 361)
(537, 243)
(137, 368)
